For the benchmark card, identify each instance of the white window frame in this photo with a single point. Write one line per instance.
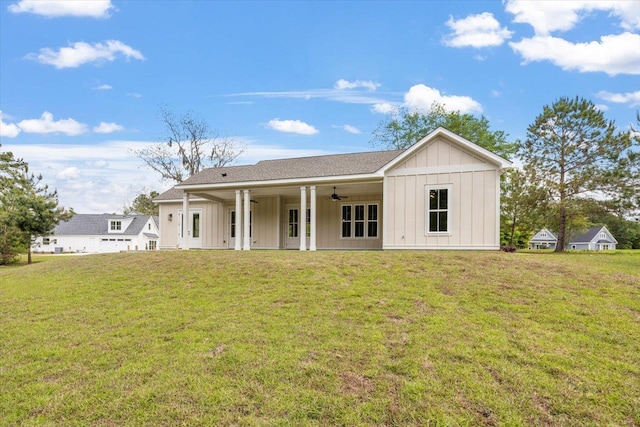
(603, 235)
(427, 190)
(115, 225)
(365, 220)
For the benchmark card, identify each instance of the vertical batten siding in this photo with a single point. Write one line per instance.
(211, 228)
(474, 210)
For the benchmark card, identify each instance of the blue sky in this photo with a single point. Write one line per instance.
(81, 81)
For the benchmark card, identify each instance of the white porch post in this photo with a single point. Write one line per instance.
(185, 221)
(238, 242)
(247, 219)
(303, 219)
(312, 238)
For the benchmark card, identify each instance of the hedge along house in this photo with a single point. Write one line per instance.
(442, 193)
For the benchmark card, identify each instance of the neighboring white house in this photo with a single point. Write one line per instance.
(596, 238)
(442, 193)
(95, 233)
(543, 239)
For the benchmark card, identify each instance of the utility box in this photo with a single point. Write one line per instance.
(59, 250)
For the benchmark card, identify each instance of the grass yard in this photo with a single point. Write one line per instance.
(325, 338)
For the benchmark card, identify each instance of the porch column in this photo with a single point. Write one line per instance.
(312, 238)
(247, 219)
(303, 219)
(238, 243)
(185, 221)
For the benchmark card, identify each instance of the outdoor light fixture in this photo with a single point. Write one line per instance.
(170, 217)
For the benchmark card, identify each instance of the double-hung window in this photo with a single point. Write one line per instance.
(438, 209)
(359, 220)
(116, 225)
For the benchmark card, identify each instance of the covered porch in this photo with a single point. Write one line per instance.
(321, 215)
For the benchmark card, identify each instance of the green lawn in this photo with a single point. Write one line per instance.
(324, 338)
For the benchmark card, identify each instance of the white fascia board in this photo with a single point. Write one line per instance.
(474, 148)
(191, 199)
(373, 177)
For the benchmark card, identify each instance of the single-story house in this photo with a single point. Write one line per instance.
(596, 238)
(543, 239)
(97, 233)
(441, 193)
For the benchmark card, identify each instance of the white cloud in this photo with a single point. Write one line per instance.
(613, 54)
(69, 174)
(8, 130)
(346, 84)
(46, 124)
(57, 8)
(548, 16)
(352, 129)
(292, 126)
(134, 95)
(631, 98)
(338, 95)
(105, 127)
(383, 108)
(80, 53)
(482, 30)
(602, 107)
(103, 87)
(421, 98)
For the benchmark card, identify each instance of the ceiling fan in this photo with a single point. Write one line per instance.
(335, 197)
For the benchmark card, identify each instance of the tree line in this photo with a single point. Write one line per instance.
(578, 169)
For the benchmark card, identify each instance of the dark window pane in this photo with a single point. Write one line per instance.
(346, 229)
(373, 213)
(196, 225)
(372, 229)
(359, 214)
(359, 229)
(444, 199)
(346, 213)
(442, 223)
(433, 221)
(433, 199)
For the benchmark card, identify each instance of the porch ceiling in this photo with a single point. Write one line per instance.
(325, 190)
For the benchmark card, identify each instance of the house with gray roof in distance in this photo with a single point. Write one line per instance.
(543, 239)
(100, 233)
(441, 193)
(597, 238)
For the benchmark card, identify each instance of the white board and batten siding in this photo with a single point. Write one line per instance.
(474, 210)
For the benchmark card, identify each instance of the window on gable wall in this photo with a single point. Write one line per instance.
(438, 209)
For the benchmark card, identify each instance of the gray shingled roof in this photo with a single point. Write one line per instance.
(98, 224)
(300, 167)
(588, 236)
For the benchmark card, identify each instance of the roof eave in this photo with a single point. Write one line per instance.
(282, 182)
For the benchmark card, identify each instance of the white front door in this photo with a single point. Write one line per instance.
(195, 228)
(234, 227)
